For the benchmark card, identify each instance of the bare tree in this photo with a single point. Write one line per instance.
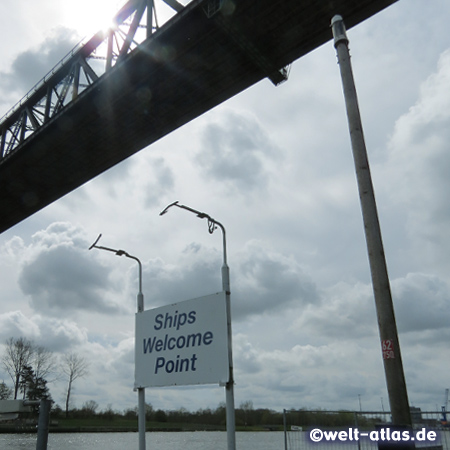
(247, 408)
(90, 407)
(19, 353)
(74, 366)
(44, 362)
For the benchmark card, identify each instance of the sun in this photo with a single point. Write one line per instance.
(87, 17)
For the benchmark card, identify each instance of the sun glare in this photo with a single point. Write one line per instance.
(88, 17)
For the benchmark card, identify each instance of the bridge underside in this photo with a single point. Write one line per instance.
(197, 60)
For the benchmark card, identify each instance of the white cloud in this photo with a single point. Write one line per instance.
(306, 375)
(419, 163)
(58, 335)
(16, 324)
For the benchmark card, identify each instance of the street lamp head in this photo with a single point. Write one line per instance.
(96, 241)
(117, 252)
(164, 211)
(201, 215)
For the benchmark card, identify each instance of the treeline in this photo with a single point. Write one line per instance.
(246, 415)
(32, 367)
(332, 419)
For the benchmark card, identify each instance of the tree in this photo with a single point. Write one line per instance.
(32, 386)
(74, 366)
(160, 416)
(26, 379)
(247, 408)
(18, 354)
(20, 357)
(90, 407)
(5, 391)
(148, 411)
(43, 362)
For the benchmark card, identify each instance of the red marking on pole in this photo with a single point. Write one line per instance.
(388, 348)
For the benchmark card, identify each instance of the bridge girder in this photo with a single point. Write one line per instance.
(107, 101)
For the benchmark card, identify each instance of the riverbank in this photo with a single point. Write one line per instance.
(117, 425)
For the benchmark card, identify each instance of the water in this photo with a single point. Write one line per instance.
(197, 440)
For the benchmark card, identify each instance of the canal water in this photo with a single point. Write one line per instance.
(199, 440)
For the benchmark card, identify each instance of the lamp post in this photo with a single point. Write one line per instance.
(229, 387)
(140, 309)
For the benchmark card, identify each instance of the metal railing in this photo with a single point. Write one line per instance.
(298, 425)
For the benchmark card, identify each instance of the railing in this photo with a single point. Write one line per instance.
(78, 70)
(43, 81)
(298, 425)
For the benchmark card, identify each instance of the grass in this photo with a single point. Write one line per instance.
(118, 424)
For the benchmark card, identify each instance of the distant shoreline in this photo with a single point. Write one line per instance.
(33, 430)
(118, 429)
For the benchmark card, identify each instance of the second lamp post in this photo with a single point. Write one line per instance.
(229, 387)
(140, 308)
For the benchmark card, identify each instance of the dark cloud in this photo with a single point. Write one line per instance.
(265, 281)
(422, 303)
(346, 311)
(162, 182)
(196, 274)
(261, 281)
(235, 151)
(31, 66)
(60, 276)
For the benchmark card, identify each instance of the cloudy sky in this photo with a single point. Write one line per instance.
(274, 165)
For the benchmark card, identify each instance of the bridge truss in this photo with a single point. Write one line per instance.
(127, 87)
(79, 70)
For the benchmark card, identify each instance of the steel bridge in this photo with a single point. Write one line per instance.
(127, 87)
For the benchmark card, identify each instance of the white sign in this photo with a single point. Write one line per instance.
(183, 343)
(13, 406)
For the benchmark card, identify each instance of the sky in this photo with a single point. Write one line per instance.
(274, 165)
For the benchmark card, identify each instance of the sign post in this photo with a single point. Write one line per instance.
(229, 385)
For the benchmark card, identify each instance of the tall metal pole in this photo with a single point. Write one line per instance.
(229, 387)
(43, 424)
(392, 360)
(141, 390)
(140, 309)
(45, 406)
